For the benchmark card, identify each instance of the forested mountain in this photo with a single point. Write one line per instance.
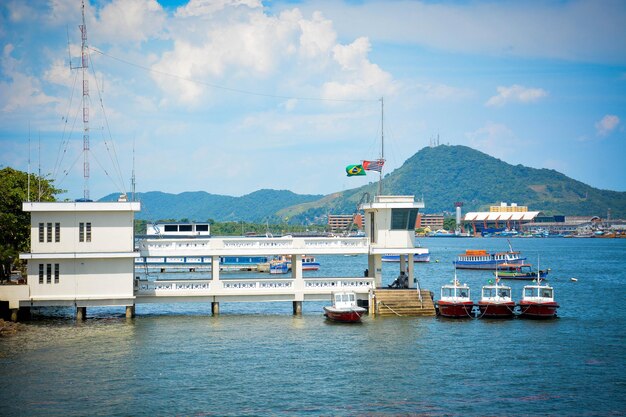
(441, 175)
(258, 206)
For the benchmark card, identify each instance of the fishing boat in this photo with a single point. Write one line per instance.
(496, 302)
(538, 301)
(344, 308)
(455, 300)
(309, 263)
(481, 259)
(520, 271)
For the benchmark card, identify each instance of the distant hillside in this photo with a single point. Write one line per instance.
(258, 206)
(442, 175)
(445, 174)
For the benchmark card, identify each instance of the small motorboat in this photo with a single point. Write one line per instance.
(538, 301)
(344, 308)
(496, 302)
(520, 271)
(455, 300)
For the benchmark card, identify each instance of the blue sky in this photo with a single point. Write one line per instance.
(231, 96)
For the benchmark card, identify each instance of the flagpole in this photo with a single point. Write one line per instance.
(382, 144)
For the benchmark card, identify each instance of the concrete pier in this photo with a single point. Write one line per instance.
(215, 308)
(81, 313)
(130, 311)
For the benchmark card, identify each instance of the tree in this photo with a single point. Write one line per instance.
(15, 223)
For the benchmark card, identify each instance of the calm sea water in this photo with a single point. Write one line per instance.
(258, 359)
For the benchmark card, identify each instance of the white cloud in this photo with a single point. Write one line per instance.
(580, 30)
(607, 124)
(22, 90)
(515, 94)
(238, 43)
(123, 21)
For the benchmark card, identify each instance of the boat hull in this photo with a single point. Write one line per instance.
(484, 265)
(352, 315)
(496, 310)
(538, 310)
(417, 257)
(456, 309)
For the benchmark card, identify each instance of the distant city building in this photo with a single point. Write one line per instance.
(504, 208)
(432, 221)
(489, 222)
(341, 222)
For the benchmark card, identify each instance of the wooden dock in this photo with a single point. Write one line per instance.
(403, 302)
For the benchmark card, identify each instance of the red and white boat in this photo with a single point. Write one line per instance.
(455, 300)
(496, 302)
(538, 301)
(344, 308)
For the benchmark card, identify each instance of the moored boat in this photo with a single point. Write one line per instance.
(520, 271)
(496, 302)
(481, 259)
(344, 308)
(538, 301)
(417, 257)
(455, 300)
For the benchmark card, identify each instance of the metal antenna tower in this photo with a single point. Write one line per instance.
(84, 65)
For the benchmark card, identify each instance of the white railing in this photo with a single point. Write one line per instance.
(184, 288)
(260, 246)
(339, 283)
(173, 287)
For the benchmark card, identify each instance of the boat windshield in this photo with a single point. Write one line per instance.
(538, 292)
(492, 292)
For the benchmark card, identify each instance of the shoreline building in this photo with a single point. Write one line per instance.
(500, 218)
(82, 255)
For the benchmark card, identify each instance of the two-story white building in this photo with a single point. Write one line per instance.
(81, 255)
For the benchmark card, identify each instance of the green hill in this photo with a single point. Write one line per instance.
(258, 206)
(441, 175)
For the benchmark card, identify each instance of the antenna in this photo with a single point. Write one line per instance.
(39, 170)
(84, 64)
(28, 180)
(132, 178)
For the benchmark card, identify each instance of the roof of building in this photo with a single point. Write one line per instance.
(501, 216)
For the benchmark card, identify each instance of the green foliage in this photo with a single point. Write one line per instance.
(15, 223)
(449, 223)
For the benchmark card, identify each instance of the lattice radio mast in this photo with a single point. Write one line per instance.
(84, 65)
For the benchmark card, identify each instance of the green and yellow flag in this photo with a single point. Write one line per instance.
(353, 170)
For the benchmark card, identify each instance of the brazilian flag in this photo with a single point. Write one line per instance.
(353, 170)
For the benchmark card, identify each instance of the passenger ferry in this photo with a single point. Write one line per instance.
(481, 259)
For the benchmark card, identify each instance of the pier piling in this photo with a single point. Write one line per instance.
(297, 308)
(215, 308)
(81, 313)
(130, 311)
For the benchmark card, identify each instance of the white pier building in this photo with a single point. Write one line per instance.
(82, 255)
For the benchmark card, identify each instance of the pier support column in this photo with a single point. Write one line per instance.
(411, 272)
(15, 314)
(81, 313)
(130, 311)
(215, 308)
(297, 308)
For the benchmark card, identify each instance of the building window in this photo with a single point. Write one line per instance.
(403, 219)
(57, 232)
(202, 228)
(40, 232)
(56, 273)
(49, 232)
(48, 273)
(41, 273)
(170, 228)
(81, 232)
(87, 232)
(372, 228)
